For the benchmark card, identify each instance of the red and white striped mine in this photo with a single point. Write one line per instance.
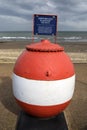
(43, 79)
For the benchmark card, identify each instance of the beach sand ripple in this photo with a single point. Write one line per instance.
(11, 55)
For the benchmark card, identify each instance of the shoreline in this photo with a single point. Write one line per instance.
(68, 46)
(9, 51)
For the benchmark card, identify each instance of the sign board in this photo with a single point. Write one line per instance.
(45, 24)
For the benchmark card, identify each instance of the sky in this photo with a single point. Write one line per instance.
(17, 15)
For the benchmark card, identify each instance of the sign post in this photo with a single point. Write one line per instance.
(45, 25)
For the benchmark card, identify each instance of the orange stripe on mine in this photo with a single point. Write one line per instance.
(43, 111)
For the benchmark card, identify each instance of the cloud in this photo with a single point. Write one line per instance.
(72, 15)
(13, 23)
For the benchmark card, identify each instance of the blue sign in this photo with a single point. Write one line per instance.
(45, 24)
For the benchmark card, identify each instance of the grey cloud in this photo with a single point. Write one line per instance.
(70, 12)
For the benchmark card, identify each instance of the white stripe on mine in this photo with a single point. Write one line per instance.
(41, 92)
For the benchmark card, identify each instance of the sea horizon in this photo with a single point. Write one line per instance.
(62, 36)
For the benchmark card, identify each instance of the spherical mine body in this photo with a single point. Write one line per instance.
(43, 79)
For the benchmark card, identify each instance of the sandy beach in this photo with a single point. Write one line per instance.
(75, 113)
(9, 51)
(68, 47)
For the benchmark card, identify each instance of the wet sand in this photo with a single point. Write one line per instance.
(9, 51)
(68, 47)
(76, 112)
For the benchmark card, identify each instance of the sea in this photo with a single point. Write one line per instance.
(62, 36)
